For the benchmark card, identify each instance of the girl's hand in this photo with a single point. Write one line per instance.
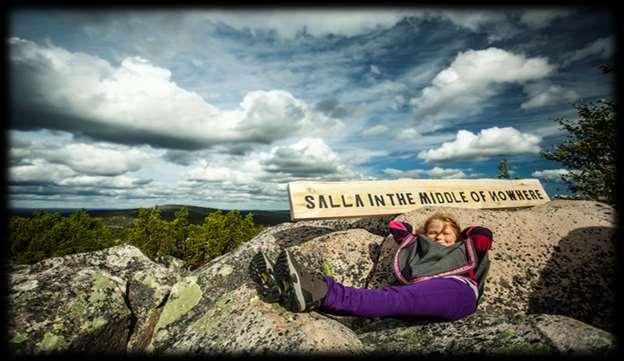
(399, 230)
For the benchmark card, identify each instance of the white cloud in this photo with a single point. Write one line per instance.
(276, 114)
(41, 172)
(207, 173)
(407, 134)
(121, 182)
(94, 159)
(446, 173)
(375, 130)
(141, 96)
(462, 89)
(397, 173)
(489, 142)
(544, 94)
(435, 172)
(602, 48)
(496, 24)
(551, 174)
(99, 160)
(307, 157)
(473, 20)
(375, 70)
(288, 23)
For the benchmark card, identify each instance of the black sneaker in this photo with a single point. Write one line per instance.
(262, 272)
(301, 290)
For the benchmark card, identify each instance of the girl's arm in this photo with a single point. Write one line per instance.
(399, 230)
(481, 236)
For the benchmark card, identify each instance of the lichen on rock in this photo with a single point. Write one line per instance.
(550, 290)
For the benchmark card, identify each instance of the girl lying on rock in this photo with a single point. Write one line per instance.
(441, 271)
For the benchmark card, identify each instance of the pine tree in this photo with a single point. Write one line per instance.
(589, 149)
(180, 231)
(47, 235)
(503, 172)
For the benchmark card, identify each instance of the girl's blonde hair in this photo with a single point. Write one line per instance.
(446, 218)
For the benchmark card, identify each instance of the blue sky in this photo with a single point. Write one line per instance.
(222, 108)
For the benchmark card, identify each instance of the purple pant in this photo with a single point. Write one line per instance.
(444, 298)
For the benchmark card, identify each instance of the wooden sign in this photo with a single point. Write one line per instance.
(319, 200)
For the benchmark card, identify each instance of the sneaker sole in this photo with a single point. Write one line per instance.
(259, 266)
(287, 274)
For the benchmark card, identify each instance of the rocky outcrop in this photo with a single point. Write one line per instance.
(490, 334)
(105, 301)
(550, 289)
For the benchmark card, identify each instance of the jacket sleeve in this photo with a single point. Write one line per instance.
(481, 236)
(399, 230)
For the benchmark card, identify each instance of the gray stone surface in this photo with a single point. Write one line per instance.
(491, 334)
(550, 289)
(100, 301)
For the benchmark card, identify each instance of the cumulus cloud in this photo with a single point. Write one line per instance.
(446, 173)
(92, 159)
(272, 115)
(407, 134)
(488, 142)
(51, 164)
(398, 173)
(308, 157)
(551, 174)
(98, 160)
(138, 102)
(602, 48)
(375, 130)
(208, 173)
(59, 178)
(39, 172)
(118, 182)
(544, 94)
(472, 78)
(435, 172)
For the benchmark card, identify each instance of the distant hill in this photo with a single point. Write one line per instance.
(167, 211)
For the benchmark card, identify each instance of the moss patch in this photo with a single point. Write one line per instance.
(100, 284)
(77, 309)
(226, 270)
(224, 304)
(328, 269)
(182, 300)
(93, 325)
(51, 342)
(18, 338)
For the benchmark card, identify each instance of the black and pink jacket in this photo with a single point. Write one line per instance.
(419, 258)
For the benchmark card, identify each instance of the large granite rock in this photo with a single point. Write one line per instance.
(489, 334)
(550, 289)
(105, 301)
(557, 258)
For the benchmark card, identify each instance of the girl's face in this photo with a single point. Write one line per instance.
(441, 232)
